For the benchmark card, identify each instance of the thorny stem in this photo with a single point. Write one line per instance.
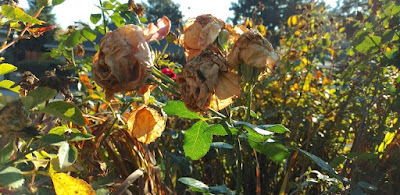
(104, 17)
(109, 131)
(163, 86)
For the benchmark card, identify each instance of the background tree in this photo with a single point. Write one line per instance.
(273, 13)
(158, 8)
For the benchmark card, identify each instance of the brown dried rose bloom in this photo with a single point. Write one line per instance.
(205, 81)
(198, 33)
(123, 61)
(254, 50)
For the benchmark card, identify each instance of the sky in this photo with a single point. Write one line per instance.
(71, 11)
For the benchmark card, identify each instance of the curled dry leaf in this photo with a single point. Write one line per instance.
(145, 124)
(124, 60)
(198, 33)
(204, 76)
(254, 50)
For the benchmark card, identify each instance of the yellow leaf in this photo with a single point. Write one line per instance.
(261, 29)
(66, 185)
(342, 29)
(146, 124)
(292, 20)
(297, 33)
(326, 81)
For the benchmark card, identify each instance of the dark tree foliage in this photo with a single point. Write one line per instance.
(274, 11)
(158, 8)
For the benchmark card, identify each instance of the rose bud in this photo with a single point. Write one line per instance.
(171, 74)
(198, 33)
(253, 50)
(124, 60)
(203, 80)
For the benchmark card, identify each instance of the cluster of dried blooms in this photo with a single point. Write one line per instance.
(208, 80)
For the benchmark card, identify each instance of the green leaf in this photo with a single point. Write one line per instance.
(80, 137)
(11, 177)
(52, 139)
(117, 19)
(57, 2)
(221, 145)
(321, 163)
(275, 151)
(7, 68)
(7, 85)
(89, 34)
(196, 185)
(130, 17)
(278, 128)
(259, 130)
(197, 142)
(223, 38)
(222, 189)
(143, 20)
(16, 13)
(368, 44)
(74, 38)
(367, 186)
(38, 96)
(6, 152)
(219, 129)
(67, 154)
(94, 18)
(64, 110)
(178, 108)
(61, 130)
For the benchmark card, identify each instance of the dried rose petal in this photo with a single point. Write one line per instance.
(235, 32)
(226, 89)
(124, 60)
(146, 124)
(153, 32)
(254, 50)
(198, 33)
(203, 76)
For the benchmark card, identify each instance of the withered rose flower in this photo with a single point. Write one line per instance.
(206, 79)
(123, 61)
(235, 32)
(254, 50)
(146, 124)
(198, 33)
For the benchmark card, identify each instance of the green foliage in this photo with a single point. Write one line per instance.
(178, 108)
(64, 110)
(38, 96)
(11, 177)
(67, 154)
(16, 14)
(197, 142)
(6, 68)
